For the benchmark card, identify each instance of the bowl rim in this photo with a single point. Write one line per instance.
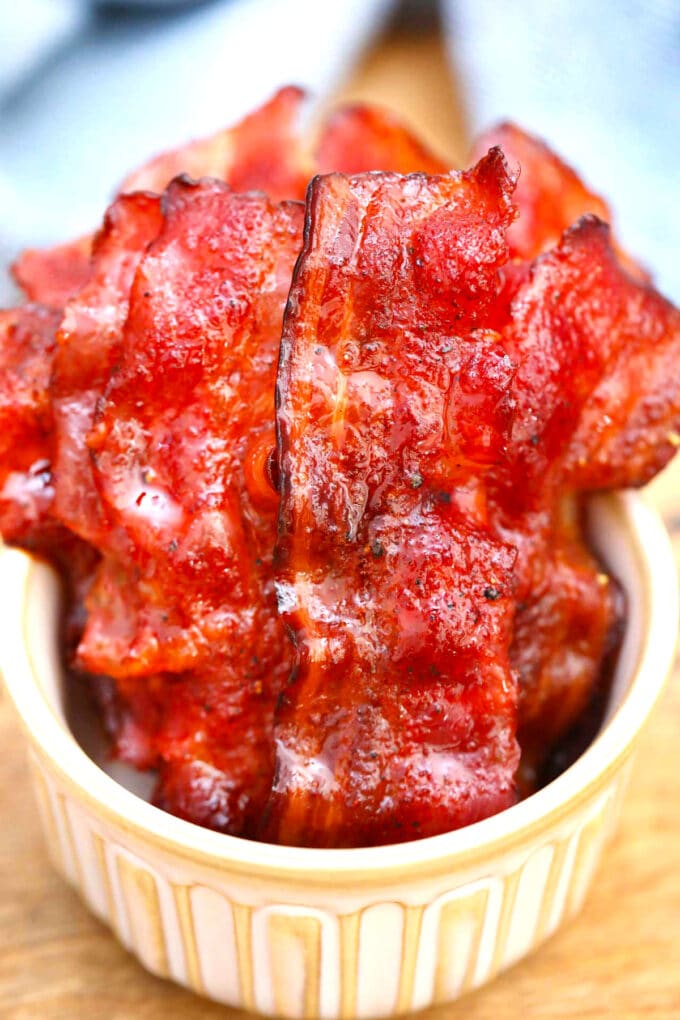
(381, 865)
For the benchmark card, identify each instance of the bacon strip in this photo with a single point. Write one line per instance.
(441, 411)
(187, 573)
(550, 195)
(261, 153)
(27, 345)
(52, 275)
(266, 151)
(401, 716)
(355, 139)
(597, 398)
(568, 612)
(598, 382)
(88, 348)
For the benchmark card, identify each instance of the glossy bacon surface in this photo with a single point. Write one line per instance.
(188, 573)
(261, 153)
(597, 400)
(53, 275)
(611, 421)
(88, 348)
(568, 612)
(452, 380)
(401, 716)
(358, 138)
(550, 195)
(629, 428)
(27, 343)
(205, 308)
(267, 151)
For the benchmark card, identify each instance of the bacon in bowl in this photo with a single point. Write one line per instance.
(456, 362)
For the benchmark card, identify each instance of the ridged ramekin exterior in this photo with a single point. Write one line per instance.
(331, 952)
(339, 934)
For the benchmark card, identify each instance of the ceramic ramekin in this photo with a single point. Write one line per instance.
(338, 933)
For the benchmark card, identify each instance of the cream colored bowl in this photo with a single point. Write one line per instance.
(337, 933)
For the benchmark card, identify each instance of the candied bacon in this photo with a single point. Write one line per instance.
(562, 633)
(186, 585)
(209, 740)
(550, 195)
(567, 610)
(215, 739)
(401, 716)
(205, 308)
(580, 307)
(27, 343)
(629, 428)
(260, 153)
(626, 434)
(130, 713)
(612, 423)
(577, 307)
(53, 275)
(442, 410)
(57, 413)
(131, 629)
(573, 306)
(88, 348)
(358, 138)
(267, 152)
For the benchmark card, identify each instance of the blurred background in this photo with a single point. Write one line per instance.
(89, 90)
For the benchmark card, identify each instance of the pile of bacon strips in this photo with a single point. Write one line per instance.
(309, 458)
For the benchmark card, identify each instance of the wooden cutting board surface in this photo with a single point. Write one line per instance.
(620, 959)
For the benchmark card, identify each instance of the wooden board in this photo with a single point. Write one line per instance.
(619, 959)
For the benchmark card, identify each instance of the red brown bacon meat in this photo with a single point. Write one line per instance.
(92, 277)
(626, 429)
(27, 344)
(576, 315)
(393, 405)
(133, 630)
(88, 348)
(267, 151)
(453, 377)
(358, 138)
(52, 275)
(263, 152)
(26, 349)
(549, 195)
(577, 430)
(189, 545)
